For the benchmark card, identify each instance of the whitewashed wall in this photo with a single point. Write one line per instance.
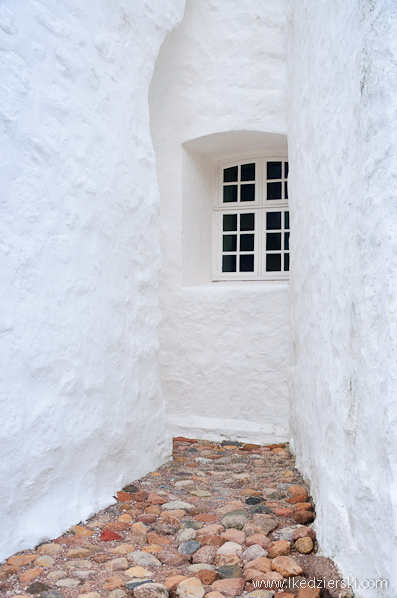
(224, 347)
(81, 407)
(342, 144)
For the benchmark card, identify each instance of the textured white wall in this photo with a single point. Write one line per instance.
(224, 347)
(81, 406)
(342, 145)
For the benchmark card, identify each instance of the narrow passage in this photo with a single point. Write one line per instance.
(219, 520)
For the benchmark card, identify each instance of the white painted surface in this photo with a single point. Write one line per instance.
(81, 407)
(342, 147)
(219, 385)
(219, 84)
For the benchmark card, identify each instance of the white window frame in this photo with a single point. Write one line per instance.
(260, 207)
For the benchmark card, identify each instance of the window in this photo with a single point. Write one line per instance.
(252, 220)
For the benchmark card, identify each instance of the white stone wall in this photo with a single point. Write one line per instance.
(342, 145)
(224, 346)
(81, 407)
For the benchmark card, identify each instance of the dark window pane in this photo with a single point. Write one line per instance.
(230, 174)
(248, 172)
(246, 242)
(247, 221)
(286, 262)
(274, 170)
(228, 263)
(273, 262)
(286, 241)
(286, 220)
(274, 190)
(247, 193)
(273, 241)
(286, 169)
(229, 193)
(229, 222)
(286, 190)
(229, 242)
(273, 220)
(246, 263)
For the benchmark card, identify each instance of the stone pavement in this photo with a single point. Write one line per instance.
(220, 520)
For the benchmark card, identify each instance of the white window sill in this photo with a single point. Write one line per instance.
(244, 286)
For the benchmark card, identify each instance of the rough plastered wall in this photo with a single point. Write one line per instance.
(81, 407)
(342, 142)
(224, 346)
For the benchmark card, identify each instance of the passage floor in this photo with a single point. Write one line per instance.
(221, 520)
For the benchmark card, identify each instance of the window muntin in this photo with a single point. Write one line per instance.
(239, 183)
(238, 242)
(276, 240)
(252, 243)
(276, 180)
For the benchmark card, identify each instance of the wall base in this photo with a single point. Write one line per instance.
(213, 428)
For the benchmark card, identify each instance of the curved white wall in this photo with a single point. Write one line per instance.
(81, 406)
(224, 347)
(342, 142)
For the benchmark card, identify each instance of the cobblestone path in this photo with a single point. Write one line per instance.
(220, 520)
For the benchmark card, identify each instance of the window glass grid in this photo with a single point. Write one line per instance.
(276, 179)
(252, 245)
(276, 231)
(286, 222)
(238, 242)
(240, 183)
